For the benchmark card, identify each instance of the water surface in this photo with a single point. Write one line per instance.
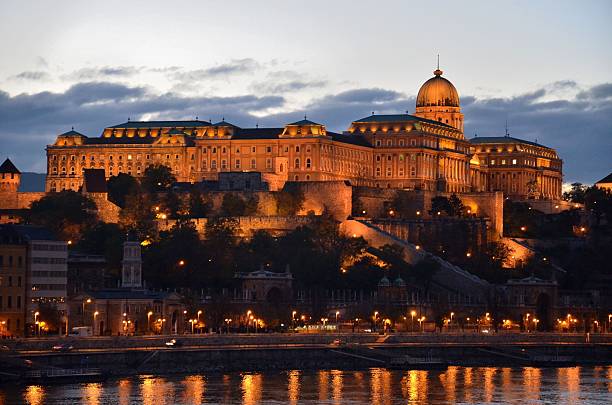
(572, 385)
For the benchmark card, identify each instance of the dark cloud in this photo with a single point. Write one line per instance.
(102, 72)
(237, 66)
(579, 128)
(33, 75)
(286, 87)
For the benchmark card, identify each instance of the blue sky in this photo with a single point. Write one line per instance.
(544, 66)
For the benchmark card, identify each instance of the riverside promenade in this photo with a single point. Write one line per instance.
(121, 355)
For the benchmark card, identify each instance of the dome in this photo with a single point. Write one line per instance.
(437, 91)
(384, 282)
(399, 282)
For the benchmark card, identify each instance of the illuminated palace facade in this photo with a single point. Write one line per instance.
(426, 150)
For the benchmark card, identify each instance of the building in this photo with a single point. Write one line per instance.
(37, 264)
(12, 200)
(521, 169)
(13, 256)
(605, 183)
(129, 309)
(424, 151)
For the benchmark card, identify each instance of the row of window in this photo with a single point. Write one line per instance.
(9, 281)
(9, 302)
(48, 273)
(48, 287)
(48, 260)
(50, 247)
(10, 261)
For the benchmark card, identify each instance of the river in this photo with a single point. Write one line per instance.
(571, 385)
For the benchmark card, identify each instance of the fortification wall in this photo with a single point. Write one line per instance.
(248, 225)
(19, 200)
(107, 210)
(335, 197)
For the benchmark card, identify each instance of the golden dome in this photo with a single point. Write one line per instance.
(437, 91)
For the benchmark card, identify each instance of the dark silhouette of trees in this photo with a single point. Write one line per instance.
(67, 214)
(157, 178)
(120, 186)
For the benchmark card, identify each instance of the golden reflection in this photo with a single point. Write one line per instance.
(532, 379)
(34, 395)
(293, 386)
(92, 393)
(156, 391)
(323, 385)
(449, 382)
(610, 378)
(569, 380)
(414, 385)
(251, 388)
(506, 382)
(337, 386)
(467, 384)
(125, 389)
(375, 387)
(489, 386)
(194, 389)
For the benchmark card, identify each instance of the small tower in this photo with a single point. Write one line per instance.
(10, 177)
(131, 271)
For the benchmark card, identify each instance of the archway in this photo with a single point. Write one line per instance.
(543, 311)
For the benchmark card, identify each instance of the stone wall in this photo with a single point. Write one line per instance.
(19, 200)
(107, 210)
(248, 225)
(335, 197)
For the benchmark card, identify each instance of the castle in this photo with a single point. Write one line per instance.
(424, 151)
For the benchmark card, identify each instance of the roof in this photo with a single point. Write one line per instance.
(607, 179)
(94, 181)
(136, 140)
(224, 123)
(399, 118)
(162, 124)
(8, 167)
(503, 139)
(304, 122)
(26, 232)
(351, 139)
(257, 133)
(175, 131)
(72, 132)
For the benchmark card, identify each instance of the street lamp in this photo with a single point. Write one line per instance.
(337, 313)
(36, 322)
(527, 321)
(248, 319)
(95, 314)
(293, 313)
(451, 320)
(412, 315)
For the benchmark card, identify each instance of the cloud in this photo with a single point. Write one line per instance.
(236, 66)
(579, 127)
(102, 72)
(34, 75)
(286, 87)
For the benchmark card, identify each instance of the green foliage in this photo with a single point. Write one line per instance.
(120, 186)
(157, 178)
(104, 239)
(289, 201)
(233, 205)
(67, 214)
(199, 207)
(451, 206)
(576, 193)
(138, 216)
(173, 206)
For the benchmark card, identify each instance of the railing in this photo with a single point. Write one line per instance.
(61, 372)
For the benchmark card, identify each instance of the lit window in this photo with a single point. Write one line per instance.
(253, 164)
(513, 161)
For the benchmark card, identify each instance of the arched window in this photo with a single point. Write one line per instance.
(297, 163)
(308, 163)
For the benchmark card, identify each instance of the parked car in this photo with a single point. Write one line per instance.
(63, 347)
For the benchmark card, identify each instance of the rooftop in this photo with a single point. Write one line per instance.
(8, 167)
(399, 118)
(607, 179)
(162, 124)
(503, 139)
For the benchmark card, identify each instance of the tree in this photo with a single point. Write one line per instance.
(104, 239)
(440, 205)
(138, 216)
(457, 209)
(157, 178)
(120, 186)
(199, 207)
(233, 205)
(403, 205)
(173, 204)
(576, 193)
(289, 201)
(67, 214)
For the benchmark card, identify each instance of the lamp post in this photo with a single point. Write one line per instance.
(248, 319)
(95, 314)
(527, 322)
(87, 301)
(412, 315)
(293, 313)
(36, 322)
(149, 321)
(450, 325)
(337, 329)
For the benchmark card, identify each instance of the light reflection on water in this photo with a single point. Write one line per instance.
(590, 385)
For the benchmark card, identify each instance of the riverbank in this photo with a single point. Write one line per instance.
(124, 356)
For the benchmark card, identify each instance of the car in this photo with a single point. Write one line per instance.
(338, 342)
(63, 347)
(173, 343)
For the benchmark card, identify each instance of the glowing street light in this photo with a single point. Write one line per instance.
(412, 315)
(36, 322)
(337, 313)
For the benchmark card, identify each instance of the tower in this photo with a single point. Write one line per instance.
(10, 177)
(438, 100)
(131, 271)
